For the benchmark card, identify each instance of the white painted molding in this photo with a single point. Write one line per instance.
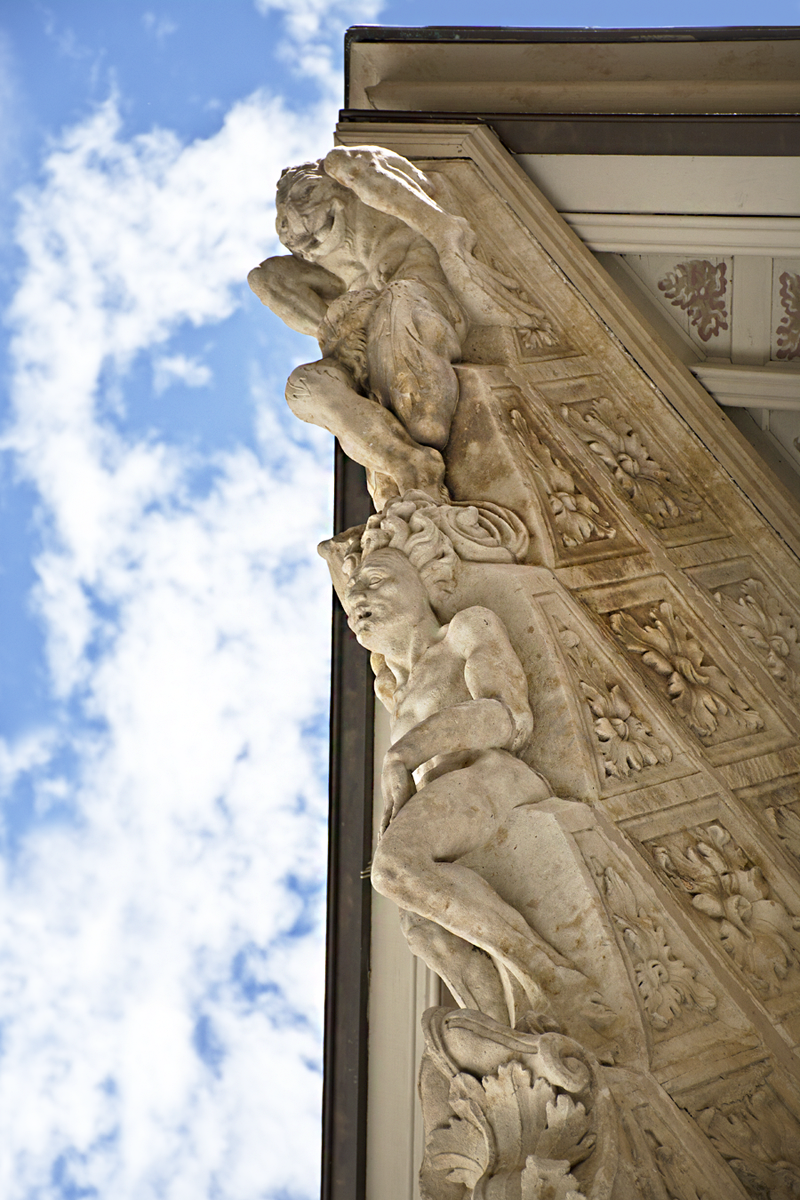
(644, 233)
(774, 387)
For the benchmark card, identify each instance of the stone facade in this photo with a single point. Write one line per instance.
(581, 596)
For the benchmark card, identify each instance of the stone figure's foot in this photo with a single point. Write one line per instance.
(424, 472)
(382, 489)
(581, 1008)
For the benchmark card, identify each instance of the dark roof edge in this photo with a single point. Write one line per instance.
(501, 33)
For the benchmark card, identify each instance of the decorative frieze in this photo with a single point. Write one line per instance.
(788, 331)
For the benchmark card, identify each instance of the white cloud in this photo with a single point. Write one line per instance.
(315, 30)
(159, 27)
(178, 368)
(161, 1021)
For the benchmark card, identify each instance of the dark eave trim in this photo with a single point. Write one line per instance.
(612, 133)
(344, 1094)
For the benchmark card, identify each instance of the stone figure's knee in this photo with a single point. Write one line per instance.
(309, 385)
(388, 875)
(303, 389)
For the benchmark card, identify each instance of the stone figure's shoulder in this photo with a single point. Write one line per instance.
(476, 628)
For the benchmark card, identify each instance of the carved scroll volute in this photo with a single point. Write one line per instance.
(513, 1116)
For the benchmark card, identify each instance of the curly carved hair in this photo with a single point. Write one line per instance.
(405, 525)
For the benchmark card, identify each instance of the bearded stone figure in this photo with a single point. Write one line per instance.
(386, 280)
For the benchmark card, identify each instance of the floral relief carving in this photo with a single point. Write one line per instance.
(536, 1126)
(610, 435)
(786, 824)
(760, 1139)
(789, 328)
(665, 984)
(699, 288)
(700, 692)
(758, 616)
(752, 925)
(626, 742)
(576, 517)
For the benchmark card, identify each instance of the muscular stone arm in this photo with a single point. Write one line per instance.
(492, 669)
(498, 716)
(298, 292)
(392, 185)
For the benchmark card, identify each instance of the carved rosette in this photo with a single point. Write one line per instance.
(758, 616)
(666, 986)
(738, 905)
(651, 490)
(699, 691)
(625, 742)
(575, 516)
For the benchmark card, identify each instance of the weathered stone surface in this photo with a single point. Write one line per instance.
(587, 645)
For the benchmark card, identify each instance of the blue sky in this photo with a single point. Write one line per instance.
(165, 619)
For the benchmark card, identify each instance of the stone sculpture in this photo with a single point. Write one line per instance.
(458, 703)
(386, 279)
(541, 596)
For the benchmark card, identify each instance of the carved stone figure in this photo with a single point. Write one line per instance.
(625, 974)
(458, 702)
(387, 281)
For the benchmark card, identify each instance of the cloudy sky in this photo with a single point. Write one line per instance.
(165, 620)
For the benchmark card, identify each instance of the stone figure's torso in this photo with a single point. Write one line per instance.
(436, 682)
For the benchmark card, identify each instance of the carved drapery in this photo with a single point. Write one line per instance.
(586, 638)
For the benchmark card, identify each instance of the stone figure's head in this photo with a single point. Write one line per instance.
(384, 599)
(310, 208)
(404, 527)
(396, 570)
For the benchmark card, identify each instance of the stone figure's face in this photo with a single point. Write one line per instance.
(384, 595)
(310, 221)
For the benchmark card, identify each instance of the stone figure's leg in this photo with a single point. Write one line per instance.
(414, 865)
(410, 349)
(467, 971)
(322, 393)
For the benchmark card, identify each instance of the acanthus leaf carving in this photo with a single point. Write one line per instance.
(786, 824)
(519, 1125)
(700, 692)
(665, 984)
(698, 287)
(760, 1139)
(576, 518)
(625, 741)
(753, 927)
(610, 435)
(759, 617)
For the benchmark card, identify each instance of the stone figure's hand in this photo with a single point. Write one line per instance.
(459, 239)
(397, 786)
